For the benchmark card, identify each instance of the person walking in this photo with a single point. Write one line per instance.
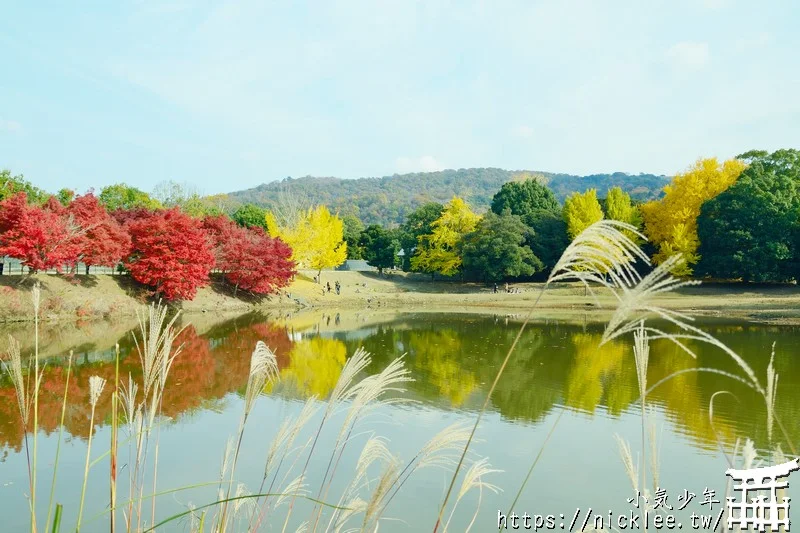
(329, 287)
(495, 287)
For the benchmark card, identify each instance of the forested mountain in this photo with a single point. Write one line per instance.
(389, 199)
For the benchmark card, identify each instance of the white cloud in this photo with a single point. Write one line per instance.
(10, 125)
(526, 132)
(426, 163)
(688, 55)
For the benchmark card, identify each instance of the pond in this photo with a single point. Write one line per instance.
(563, 395)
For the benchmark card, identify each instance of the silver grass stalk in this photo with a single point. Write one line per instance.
(655, 463)
(354, 507)
(369, 393)
(263, 368)
(14, 368)
(374, 506)
(96, 386)
(295, 487)
(128, 400)
(771, 392)
(36, 297)
(241, 493)
(601, 254)
(283, 440)
(154, 344)
(628, 462)
(442, 450)
(344, 388)
(473, 479)
(641, 354)
(636, 306)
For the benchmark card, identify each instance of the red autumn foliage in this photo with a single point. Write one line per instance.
(125, 217)
(39, 237)
(249, 258)
(54, 206)
(101, 239)
(170, 254)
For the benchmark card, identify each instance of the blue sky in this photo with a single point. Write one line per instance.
(230, 95)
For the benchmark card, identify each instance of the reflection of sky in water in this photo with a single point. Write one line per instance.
(557, 370)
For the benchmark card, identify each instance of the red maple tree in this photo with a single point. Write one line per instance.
(101, 240)
(170, 254)
(125, 217)
(39, 237)
(249, 258)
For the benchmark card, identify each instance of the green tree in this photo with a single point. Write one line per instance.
(11, 185)
(65, 196)
(581, 210)
(530, 199)
(496, 250)
(550, 238)
(122, 196)
(752, 230)
(352, 233)
(418, 223)
(439, 250)
(250, 216)
(380, 247)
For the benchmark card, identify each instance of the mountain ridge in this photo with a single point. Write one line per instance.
(388, 200)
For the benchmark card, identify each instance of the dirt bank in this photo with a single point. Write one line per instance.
(116, 297)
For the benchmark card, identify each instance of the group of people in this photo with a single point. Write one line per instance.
(327, 288)
(509, 290)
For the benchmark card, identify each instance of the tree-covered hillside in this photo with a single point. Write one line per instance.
(388, 200)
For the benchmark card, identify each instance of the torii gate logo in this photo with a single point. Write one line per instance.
(754, 510)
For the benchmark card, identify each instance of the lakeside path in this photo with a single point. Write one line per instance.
(88, 297)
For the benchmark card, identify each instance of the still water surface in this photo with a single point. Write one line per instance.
(559, 380)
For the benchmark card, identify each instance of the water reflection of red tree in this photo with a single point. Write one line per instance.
(200, 373)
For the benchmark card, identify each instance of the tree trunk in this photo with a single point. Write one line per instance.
(87, 269)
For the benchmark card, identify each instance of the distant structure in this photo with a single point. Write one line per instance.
(356, 265)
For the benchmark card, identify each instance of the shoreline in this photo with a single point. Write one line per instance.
(109, 297)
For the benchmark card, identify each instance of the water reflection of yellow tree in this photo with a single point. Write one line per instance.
(313, 369)
(599, 371)
(683, 397)
(435, 354)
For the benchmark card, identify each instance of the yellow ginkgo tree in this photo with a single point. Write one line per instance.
(671, 222)
(581, 210)
(316, 237)
(438, 252)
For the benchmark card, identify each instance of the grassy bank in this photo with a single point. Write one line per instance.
(92, 297)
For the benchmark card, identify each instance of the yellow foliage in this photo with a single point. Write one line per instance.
(315, 366)
(671, 223)
(619, 207)
(436, 354)
(596, 366)
(316, 239)
(438, 251)
(581, 210)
